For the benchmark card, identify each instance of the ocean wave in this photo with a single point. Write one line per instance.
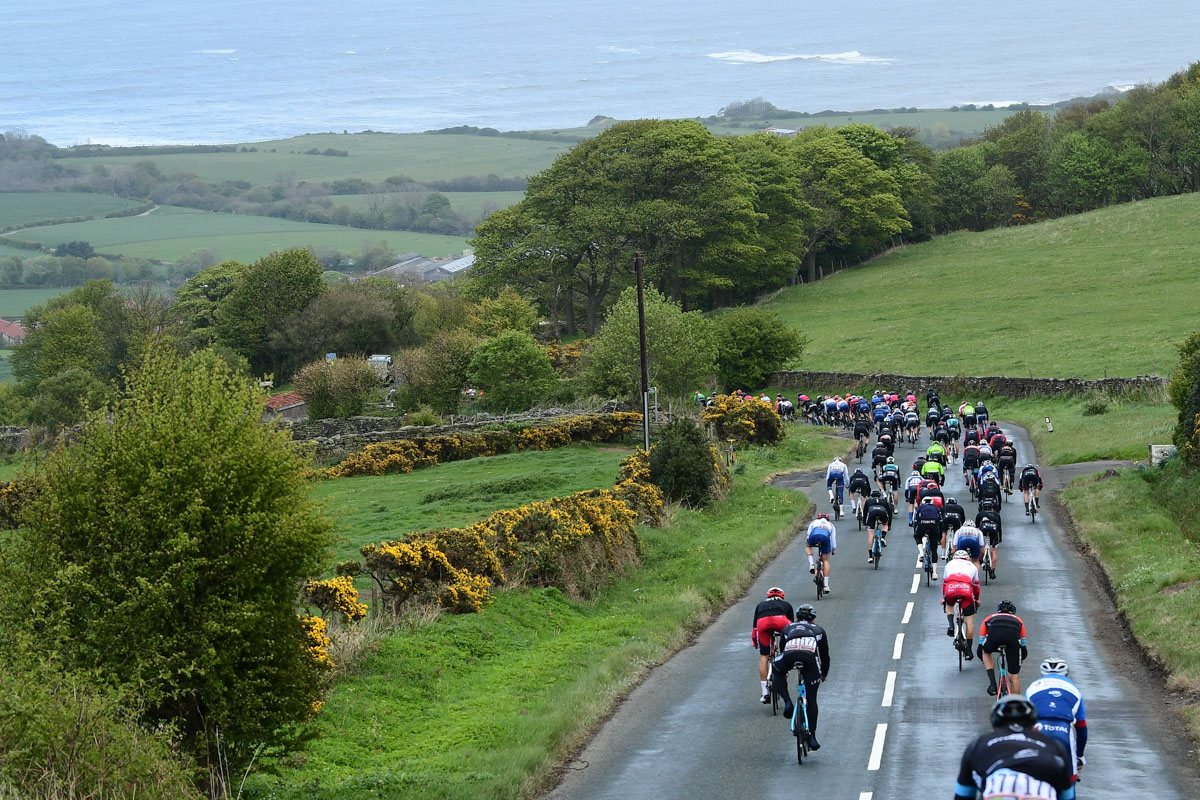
(751, 57)
(220, 52)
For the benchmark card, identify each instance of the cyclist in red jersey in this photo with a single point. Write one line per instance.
(770, 616)
(960, 585)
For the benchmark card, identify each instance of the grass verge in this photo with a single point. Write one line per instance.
(486, 705)
(1150, 554)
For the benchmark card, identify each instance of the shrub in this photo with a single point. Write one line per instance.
(336, 596)
(437, 372)
(422, 417)
(681, 464)
(1094, 405)
(508, 311)
(751, 344)
(338, 389)
(513, 372)
(747, 420)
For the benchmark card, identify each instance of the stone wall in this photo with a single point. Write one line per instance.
(811, 381)
(334, 439)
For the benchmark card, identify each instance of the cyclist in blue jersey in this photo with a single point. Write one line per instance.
(822, 535)
(1060, 711)
(837, 474)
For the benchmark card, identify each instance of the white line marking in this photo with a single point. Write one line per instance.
(889, 689)
(916, 583)
(877, 747)
(907, 613)
(898, 647)
(865, 796)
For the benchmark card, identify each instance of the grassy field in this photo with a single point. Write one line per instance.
(483, 705)
(19, 208)
(1108, 291)
(957, 123)
(1151, 554)
(470, 204)
(372, 157)
(13, 302)
(171, 232)
(378, 508)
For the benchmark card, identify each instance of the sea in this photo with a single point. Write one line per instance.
(221, 71)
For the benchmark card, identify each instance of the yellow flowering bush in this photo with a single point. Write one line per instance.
(405, 455)
(565, 358)
(13, 497)
(418, 570)
(336, 595)
(317, 640)
(748, 420)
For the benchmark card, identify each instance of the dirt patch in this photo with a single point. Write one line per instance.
(1179, 587)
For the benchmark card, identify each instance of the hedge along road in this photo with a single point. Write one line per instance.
(896, 712)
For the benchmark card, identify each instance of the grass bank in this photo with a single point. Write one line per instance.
(1151, 555)
(486, 705)
(1069, 297)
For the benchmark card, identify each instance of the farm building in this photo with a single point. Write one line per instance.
(11, 332)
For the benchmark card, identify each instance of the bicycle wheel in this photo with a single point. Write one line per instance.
(1033, 511)
(1002, 687)
(771, 687)
(960, 641)
(877, 548)
(987, 562)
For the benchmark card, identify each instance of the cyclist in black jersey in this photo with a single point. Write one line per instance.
(858, 487)
(1014, 759)
(804, 647)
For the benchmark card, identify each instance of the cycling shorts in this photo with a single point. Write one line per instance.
(804, 662)
(1010, 641)
(930, 528)
(889, 481)
(765, 627)
(1031, 481)
(875, 516)
(959, 592)
(993, 536)
(971, 545)
(969, 421)
(910, 495)
(840, 480)
(820, 540)
(1008, 465)
(970, 463)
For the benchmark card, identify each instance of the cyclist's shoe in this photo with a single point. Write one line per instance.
(991, 690)
(788, 711)
(991, 573)
(883, 540)
(812, 570)
(870, 557)
(968, 655)
(1037, 503)
(766, 699)
(827, 589)
(813, 744)
(949, 630)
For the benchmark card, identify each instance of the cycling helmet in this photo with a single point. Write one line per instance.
(951, 500)
(987, 504)
(891, 460)
(1054, 666)
(806, 612)
(961, 554)
(876, 493)
(926, 500)
(1013, 709)
(1031, 466)
(1006, 607)
(822, 515)
(775, 591)
(859, 471)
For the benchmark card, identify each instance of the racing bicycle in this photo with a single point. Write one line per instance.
(1002, 685)
(800, 721)
(988, 572)
(960, 640)
(775, 637)
(877, 544)
(927, 556)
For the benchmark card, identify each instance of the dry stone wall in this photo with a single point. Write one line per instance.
(954, 385)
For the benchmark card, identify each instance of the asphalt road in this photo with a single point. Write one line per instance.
(896, 711)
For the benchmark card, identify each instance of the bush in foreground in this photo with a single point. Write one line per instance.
(339, 388)
(682, 464)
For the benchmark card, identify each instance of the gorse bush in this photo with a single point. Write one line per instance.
(682, 464)
(747, 420)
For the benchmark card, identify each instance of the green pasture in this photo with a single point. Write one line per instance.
(372, 157)
(941, 122)
(171, 232)
(372, 509)
(471, 205)
(485, 705)
(20, 208)
(14, 302)
(1111, 291)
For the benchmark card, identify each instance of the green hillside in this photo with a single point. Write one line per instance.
(170, 232)
(20, 208)
(470, 204)
(1111, 290)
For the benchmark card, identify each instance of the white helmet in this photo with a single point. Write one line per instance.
(961, 554)
(1054, 666)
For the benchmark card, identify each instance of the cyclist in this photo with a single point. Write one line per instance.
(985, 451)
(911, 484)
(955, 428)
(955, 516)
(888, 440)
(912, 425)
(987, 469)
(933, 470)
(971, 436)
(1059, 705)
(931, 399)
(992, 526)
(1014, 759)
(829, 409)
(823, 536)
(961, 586)
(876, 511)
(989, 487)
(932, 417)
(860, 487)
(770, 616)
(1006, 461)
(880, 414)
(843, 409)
(967, 412)
(928, 527)
(1031, 478)
(970, 463)
(1003, 629)
(981, 414)
(936, 452)
(837, 473)
(879, 457)
(862, 433)
(889, 480)
(805, 648)
(941, 435)
(930, 489)
(970, 539)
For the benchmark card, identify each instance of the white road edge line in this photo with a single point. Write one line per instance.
(898, 647)
(865, 795)
(908, 609)
(877, 747)
(916, 583)
(889, 689)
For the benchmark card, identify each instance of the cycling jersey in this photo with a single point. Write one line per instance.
(985, 451)
(859, 482)
(822, 534)
(1060, 710)
(970, 457)
(934, 470)
(880, 413)
(971, 436)
(930, 488)
(890, 476)
(879, 456)
(1031, 478)
(805, 648)
(911, 420)
(960, 583)
(968, 538)
(877, 509)
(927, 521)
(836, 471)
(772, 614)
(1006, 631)
(861, 428)
(913, 482)
(955, 516)
(1015, 761)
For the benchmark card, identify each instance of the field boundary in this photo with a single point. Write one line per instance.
(957, 385)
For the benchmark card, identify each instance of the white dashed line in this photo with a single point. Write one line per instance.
(889, 689)
(907, 613)
(865, 796)
(877, 747)
(898, 647)
(916, 583)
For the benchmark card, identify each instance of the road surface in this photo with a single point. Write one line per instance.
(896, 711)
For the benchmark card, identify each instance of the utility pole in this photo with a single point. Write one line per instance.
(637, 266)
